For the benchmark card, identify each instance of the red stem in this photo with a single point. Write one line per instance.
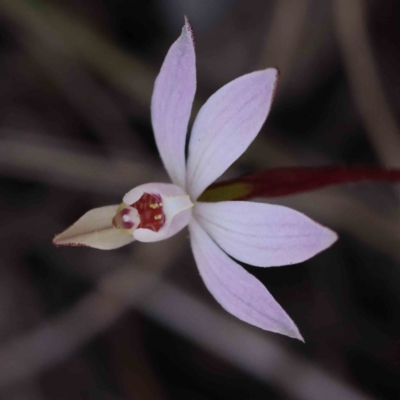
(286, 181)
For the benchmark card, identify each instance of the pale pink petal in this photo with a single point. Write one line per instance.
(239, 292)
(226, 125)
(94, 229)
(174, 223)
(171, 104)
(263, 234)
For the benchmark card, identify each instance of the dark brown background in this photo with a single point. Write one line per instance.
(137, 323)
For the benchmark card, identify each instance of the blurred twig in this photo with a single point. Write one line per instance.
(58, 338)
(284, 35)
(57, 59)
(52, 342)
(380, 123)
(62, 163)
(86, 96)
(249, 348)
(48, 22)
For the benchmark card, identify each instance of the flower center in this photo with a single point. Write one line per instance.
(147, 212)
(150, 210)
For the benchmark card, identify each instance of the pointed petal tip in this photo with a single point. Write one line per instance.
(276, 70)
(276, 74)
(271, 72)
(188, 29)
(297, 335)
(288, 328)
(327, 238)
(237, 291)
(330, 238)
(171, 103)
(263, 235)
(54, 241)
(94, 229)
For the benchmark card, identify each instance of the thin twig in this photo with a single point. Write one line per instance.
(284, 35)
(251, 350)
(62, 163)
(48, 21)
(52, 342)
(380, 123)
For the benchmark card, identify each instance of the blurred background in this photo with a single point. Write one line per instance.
(137, 323)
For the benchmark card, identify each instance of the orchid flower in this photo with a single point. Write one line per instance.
(262, 235)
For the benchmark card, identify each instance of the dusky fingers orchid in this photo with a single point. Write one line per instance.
(258, 234)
